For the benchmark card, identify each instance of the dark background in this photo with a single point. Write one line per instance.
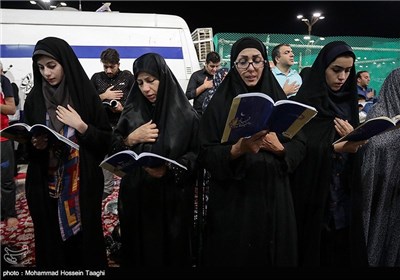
(342, 18)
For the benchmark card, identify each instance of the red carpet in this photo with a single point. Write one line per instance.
(20, 176)
(17, 244)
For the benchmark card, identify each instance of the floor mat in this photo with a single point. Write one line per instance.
(18, 246)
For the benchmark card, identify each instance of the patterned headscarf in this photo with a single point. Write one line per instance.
(380, 181)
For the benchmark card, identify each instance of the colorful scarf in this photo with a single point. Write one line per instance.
(64, 184)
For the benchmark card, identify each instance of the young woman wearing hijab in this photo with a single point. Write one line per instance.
(156, 204)
(380, 172)
(64, 186)
(322, 183)
(251, 218)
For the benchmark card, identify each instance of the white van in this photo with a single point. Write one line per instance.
(89, 33)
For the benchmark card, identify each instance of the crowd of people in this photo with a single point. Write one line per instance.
(272, 201)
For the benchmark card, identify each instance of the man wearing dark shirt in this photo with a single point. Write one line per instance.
(201, 81)
(112, 84)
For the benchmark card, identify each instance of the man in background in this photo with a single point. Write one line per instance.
(112, 84)
(366, 95)
(201, 81)
(288, 78)
(8, 187)
(363, 80)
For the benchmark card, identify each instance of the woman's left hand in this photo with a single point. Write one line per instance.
(271, 143)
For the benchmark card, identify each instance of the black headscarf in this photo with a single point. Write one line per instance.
(80, 90)
(312, 179)
(172, 112)
(250, 198)
(89, 249)
(218, 109)
(246, 43)
(380, 181)
(315, 91)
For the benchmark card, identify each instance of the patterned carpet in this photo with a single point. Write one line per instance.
(18, 246)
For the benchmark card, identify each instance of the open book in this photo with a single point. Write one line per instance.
(253, 112)
(21, 132)
(110, 103)
(371, 128)
(125, 161)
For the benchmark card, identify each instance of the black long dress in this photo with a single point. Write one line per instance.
(156, 214)
(87, 248)
(251, 219)
(315, 178)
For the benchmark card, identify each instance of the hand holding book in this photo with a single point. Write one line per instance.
(371, 128)
(21, 132)
(349, 146)
(253, 112)
(125, 161)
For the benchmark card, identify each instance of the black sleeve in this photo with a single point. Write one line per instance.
(6, 87)
(16, 93)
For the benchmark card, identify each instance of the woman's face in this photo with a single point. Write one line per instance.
(250, 65)
(148, 85)
(338, 71)
(51, 70)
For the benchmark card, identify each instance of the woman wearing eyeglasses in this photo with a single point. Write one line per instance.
(251, 219)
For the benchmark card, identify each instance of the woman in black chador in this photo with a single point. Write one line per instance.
(325, 185)
(156, 203)
(64, 186)
(251, 219)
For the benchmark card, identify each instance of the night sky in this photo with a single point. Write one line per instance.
(342, 18)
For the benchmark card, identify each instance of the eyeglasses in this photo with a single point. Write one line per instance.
(244, 64)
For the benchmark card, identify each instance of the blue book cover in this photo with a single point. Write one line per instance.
(253, 112)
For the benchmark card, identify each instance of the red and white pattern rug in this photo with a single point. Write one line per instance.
(18, 246)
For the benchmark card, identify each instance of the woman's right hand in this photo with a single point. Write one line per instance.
(248, 144)
(146, 133)
(156, 172)
(349, 146)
